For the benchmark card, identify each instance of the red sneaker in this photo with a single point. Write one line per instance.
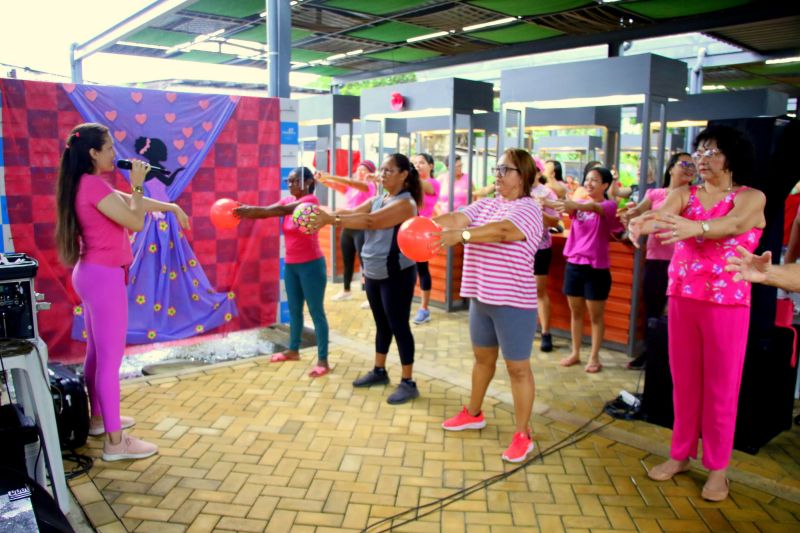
(464, 420)
(521, 445)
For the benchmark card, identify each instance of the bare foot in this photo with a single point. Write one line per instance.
(571, 360)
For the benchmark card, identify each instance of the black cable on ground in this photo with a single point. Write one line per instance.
(420, 511)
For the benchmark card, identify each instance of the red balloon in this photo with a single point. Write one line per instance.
(222, 214)
(417, 238)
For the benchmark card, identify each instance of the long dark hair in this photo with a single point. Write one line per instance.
(673, 160)
(75, 162)
(412, 183)
(557, 169)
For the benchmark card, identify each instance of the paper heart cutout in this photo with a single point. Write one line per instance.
(120, 135)
(171, 97)
(182, 160)
(203, 104)
(178, 143)
(199, 144)
(207, 126)
(91, 95)
(141, 118)
(136, 97)
(169, 117)
(69, 87)
(187, 132)
(111, 115)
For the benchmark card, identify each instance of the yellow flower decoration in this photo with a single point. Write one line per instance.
(231, 295)
(199, 328)
(140, 299)
(78, 310)
(195, 297)
(173, 275)
(156, 307)
(163, 226)
(228, 317)
(192, 262)
(171, 311)
(84, 334)
(151, 334)
(196, 283)
(153, 248)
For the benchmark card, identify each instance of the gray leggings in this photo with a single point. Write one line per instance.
(510, 328)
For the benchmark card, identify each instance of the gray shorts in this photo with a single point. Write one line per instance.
(510, 328)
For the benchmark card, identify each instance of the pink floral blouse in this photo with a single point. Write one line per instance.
(697, 269)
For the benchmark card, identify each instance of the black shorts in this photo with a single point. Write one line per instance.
(541, 262)
(586, 282)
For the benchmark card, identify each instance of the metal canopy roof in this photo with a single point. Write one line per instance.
(357, 39)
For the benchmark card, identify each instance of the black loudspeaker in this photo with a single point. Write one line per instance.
(16, 432)
(71, 406)
(657, 396)
(775, 141)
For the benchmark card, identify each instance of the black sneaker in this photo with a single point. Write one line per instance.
(404, 392)
(547, 342)
(372, 378)
(638, 363)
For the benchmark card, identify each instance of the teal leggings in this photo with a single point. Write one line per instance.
(306, 281)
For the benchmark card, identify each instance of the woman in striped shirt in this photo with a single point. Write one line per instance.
(501, 236)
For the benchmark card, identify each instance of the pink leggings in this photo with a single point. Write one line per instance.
(105, 312)
(707, 344)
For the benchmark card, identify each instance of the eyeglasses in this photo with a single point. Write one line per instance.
(386, 171)
(711, 152)
(502, 170)
(687, 165)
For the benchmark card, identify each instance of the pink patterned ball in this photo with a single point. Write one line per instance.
(304, 214)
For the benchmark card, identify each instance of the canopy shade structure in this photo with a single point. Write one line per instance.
(358, 39)
(715, 106)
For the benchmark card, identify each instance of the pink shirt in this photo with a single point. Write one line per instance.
(354, 198)
(460, 192)
(501, 273)
(542, 191)
(102, 241)
(589, 235)
(300, 247)
(697, 269)
(429, 200)
(656, 250)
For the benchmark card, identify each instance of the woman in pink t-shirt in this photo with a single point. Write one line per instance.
(304, 275)
(679, 173)
(501, 236)
(430, 195)
(92, 224)
(357, 190)
(709, 308)
(587, 275)
(460, 190)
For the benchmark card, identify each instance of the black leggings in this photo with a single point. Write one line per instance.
(655, 287)
(424, 276)
(390, 301)
(352, 242)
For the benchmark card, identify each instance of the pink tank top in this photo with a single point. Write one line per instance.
(697, 269)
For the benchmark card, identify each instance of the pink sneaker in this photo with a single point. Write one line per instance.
(521, 445)
(464, 420)
(97, 430)
(128, 448)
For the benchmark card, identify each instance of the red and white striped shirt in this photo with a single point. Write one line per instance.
(501, 273)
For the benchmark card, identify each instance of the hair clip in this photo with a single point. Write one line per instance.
(77, 134)
(146, 146)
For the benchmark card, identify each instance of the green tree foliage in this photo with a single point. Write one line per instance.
(355, 88)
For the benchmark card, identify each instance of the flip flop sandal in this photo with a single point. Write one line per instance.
(282, 357)
(593, 368)
(319, 371)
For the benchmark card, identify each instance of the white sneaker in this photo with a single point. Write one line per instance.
(365, 304)
(343, 296)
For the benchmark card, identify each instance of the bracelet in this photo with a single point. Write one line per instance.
(138, 189)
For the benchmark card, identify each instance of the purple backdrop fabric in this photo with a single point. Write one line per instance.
(169, 295)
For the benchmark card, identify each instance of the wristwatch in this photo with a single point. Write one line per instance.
(465, 236)
(138, 188)
(337, 220)
(705, 226)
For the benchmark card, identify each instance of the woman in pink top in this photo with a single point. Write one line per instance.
(92, 227)
(587, 276)
(304, 273)
(679, 173)
(460, 190)
(356, 191)
(709, 309)
(501, 236)
(544, 256)
(430, 195)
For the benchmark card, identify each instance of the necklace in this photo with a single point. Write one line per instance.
(729, 189)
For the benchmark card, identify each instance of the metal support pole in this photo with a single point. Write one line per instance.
(76, 65)
(658, 172)
(448, 284)
(279, 41)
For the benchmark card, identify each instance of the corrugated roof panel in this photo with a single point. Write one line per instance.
(376, 8)
(518, 33)
(667, 9)
(405, 54)
(228, 8)
(391, 32)
(518, 8)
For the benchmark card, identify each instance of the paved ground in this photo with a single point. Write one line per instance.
(253, 446)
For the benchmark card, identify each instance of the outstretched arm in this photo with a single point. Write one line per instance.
(759, 269)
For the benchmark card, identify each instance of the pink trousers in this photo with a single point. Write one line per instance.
(105, 312)
(707, 344)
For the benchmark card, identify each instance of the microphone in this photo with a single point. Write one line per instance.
(126, 165)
